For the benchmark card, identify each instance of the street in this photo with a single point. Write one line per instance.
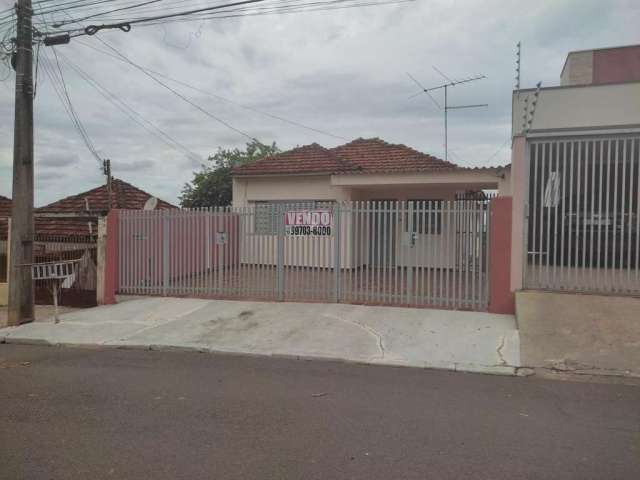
(115, 413)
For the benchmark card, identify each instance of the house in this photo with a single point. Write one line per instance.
(575, 174)
(364, 169)
(67, 229)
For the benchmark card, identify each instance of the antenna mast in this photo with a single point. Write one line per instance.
(446, 108)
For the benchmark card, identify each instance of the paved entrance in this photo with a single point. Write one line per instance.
(455, 340)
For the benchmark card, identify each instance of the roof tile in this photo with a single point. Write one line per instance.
(362, 155)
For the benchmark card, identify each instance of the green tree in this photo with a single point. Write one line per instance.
(212, 185)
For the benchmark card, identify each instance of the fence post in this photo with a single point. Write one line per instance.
(280, 253)
(501, 298)
(165, 252)
(337, 247)
(111, 259)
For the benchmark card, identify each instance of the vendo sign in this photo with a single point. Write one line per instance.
(308, 222)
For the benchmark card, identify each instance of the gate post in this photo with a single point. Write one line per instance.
(501, 298)
(111, 259)
(337, 244)
(165, 252)
(280, 211)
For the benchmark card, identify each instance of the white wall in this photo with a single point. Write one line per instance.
(593, 106)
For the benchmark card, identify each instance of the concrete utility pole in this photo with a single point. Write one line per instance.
(20, 281)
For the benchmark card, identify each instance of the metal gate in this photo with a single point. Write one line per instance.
(414, 253)
(583, 215)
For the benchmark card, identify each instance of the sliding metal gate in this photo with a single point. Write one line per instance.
(583, 215)
(417, 253)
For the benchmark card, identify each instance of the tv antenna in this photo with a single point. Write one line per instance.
(445, 86)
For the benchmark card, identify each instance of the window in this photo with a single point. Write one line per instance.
(267, 213)
(427, 216)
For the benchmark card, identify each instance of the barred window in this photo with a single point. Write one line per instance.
(267, 218)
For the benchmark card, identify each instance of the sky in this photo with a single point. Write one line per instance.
(343, 72)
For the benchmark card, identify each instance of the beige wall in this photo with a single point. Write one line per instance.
(578, 69)
(594, 106)
(290, 187)
(4, 294)
(518, 179)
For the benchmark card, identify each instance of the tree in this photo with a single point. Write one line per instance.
(212, 185)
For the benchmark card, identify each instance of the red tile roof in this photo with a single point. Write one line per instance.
(124, 196)
(370, 155)
(312, 158)
(5, 207)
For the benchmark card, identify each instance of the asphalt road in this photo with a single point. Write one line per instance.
(125, 414)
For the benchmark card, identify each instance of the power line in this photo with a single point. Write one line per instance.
(245, 8)
(60, 88)
(55, 82)
(219, 97)
(178, 94)
(130, 112)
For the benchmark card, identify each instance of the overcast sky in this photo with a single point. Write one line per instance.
(340, 71)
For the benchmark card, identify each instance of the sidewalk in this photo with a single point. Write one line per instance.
(465, 341)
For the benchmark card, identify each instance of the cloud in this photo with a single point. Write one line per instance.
(342, 71)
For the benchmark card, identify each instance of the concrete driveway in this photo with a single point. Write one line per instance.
(468, 341)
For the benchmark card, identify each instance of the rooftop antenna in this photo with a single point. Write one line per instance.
(445, 86)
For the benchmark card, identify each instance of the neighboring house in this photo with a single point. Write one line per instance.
(67, 229)
(576, 213)
(94, 203)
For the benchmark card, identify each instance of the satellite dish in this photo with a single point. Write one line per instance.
(150, 204)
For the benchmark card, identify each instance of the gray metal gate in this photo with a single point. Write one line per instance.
(418, 253)
(583, 215)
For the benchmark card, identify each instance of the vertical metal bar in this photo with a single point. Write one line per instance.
(556, 162)
(572, 216)
(535, 249)
(336, 250)
(623, 194)
(580, 226)
(165, 252)
(630, 217)
(563, 197)
(280, 252)
(635, 156)
(430, 256)
(615, 214)
(407, 260)
(459, 242)
(548, 154)
(475, 280)
(584, 160)
(414, 267)
(592, 169)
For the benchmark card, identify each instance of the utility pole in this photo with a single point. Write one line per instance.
(21, 255)
(106, 169)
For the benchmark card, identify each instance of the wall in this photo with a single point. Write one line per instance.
(518, 182)
(593, 106)
(591, 332)
(290, 187)
(578, 69)
(4, 294)
(616, 65)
